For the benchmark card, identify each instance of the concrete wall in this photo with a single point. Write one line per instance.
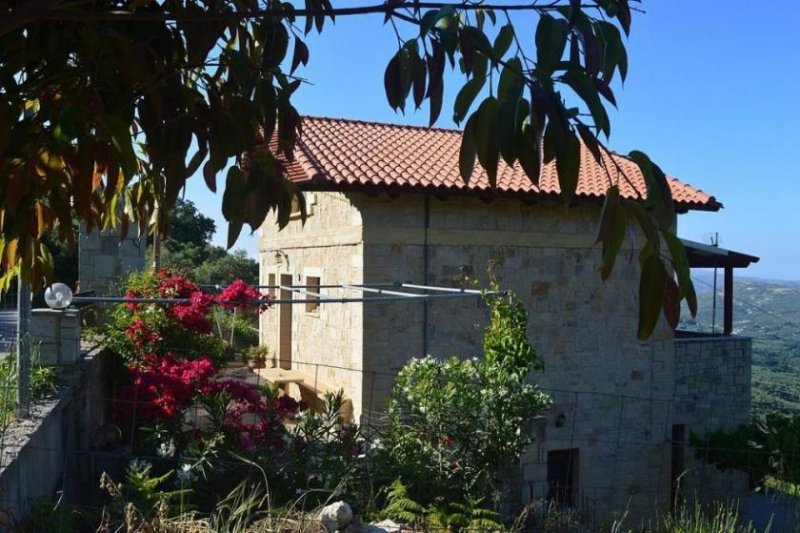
(56, 335)
(329, 247)
(45, 457)
(103, 259)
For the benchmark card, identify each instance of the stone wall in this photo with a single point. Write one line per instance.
(103, 260)
(611, 392)
(712, 391)
(613, 396)
(325, 342)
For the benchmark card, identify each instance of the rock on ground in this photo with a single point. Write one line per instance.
(336, 516)
(384, 526)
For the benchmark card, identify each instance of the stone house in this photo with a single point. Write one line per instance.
(386, 203)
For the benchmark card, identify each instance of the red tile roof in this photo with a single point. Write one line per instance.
(343, 154)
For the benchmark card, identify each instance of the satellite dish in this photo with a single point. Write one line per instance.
(58, 296)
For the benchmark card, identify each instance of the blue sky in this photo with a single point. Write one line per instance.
(713, 96)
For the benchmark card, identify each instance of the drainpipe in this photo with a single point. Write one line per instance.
(426, 274)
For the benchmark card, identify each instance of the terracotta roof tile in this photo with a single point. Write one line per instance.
(339, 154)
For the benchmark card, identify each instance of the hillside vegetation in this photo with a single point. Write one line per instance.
(769, 312)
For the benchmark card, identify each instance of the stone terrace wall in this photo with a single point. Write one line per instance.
(712, 391)
(103, 259)
(613, 391)
(330, 247)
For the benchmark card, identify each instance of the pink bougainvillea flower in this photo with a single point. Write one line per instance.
(240, 295)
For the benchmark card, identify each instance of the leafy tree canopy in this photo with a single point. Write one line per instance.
(106, 107)
(188, 249)
(188, 226)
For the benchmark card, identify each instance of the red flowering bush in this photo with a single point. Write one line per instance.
(161, 387)
(174, 286)
(240, 295)
(254, 423)
(170, 400)
(194, 315)
(184, 327)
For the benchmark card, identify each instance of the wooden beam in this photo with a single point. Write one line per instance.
(728, 317)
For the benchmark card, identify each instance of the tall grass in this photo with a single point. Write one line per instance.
(720, 517)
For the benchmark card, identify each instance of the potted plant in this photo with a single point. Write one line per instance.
(257, 357)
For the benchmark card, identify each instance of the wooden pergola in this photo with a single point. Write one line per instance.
(708, 256)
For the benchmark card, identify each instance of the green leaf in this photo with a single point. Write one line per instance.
(66, 129)
(269, 107)
(510, 117)
(529, 154)
(6, 124)
(235, 190)
(394, 83)
(276, 46)
(465, 97)
(586, 90)
(503, 41)
(680, 263)
(310, 6)
(659, 195)
(637, 210)
(435, 90)
(419, 72)
(551, 40)
(119, 133)
(671, 306)
(478, 40)
(428, 21)
(511, 83)
(568, 166)
(486, 138)
(615, 56)
(467, 152)
(210, 176)
(612, 230)
(300, 54)
(651, 294)
(591, 142)
(234, 229)
(624, 15)
(196, 160)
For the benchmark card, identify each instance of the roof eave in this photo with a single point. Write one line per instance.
(318, 183)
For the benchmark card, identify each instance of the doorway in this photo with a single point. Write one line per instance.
(562, 477)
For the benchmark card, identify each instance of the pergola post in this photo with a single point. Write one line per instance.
(728, 301)
(702, 255)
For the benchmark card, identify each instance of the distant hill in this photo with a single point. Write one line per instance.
(769, 312)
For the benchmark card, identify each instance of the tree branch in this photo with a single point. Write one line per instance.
(383, 8)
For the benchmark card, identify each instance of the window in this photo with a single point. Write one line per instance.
(312, 285)
(310, 201)
(295, 212)
(271, 283)
(562, 476)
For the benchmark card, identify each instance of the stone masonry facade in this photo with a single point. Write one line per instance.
(328, 339)
(712, 391)
(616, 400)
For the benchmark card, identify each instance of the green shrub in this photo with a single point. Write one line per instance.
(768, 447)
(456, 426)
